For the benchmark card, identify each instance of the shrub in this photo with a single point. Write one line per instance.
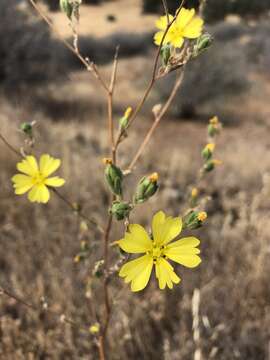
(28, 54)
(216, 10)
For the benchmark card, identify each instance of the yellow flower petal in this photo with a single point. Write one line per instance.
(28, 166)
(194, 29)
(171, 228)
(39, 194)
(162, 22)
(157, 226)
(20, 180)
(184, 252)
(177, 41)
(137, 272)
(55, 181)
(165, 274)
(48, 165)
(184, 17)
(136, 240)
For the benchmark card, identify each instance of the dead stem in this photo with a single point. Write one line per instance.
(90, 66)
(158, 118)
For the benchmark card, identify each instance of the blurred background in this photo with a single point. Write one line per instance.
(42, 81)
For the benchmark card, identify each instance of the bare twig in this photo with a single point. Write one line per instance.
(158, 118)
(110, 105)
(90, 66)
(152, 80)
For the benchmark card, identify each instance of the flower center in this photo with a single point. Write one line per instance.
(157, 252)
(38, 179)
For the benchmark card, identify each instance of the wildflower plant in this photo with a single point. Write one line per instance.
(180, 39)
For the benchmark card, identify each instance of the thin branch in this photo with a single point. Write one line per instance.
(15, 151)
(90, 66)
(77, 210)
(165, 6)
(110, 104)
(152, 80)
(158, 118)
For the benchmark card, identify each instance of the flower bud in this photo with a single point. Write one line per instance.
(194, 219)
(120, 209)
(98, 270)
(211, 164)
(94, 329)
(165, 53)
(113, 176)
(214, 126)
(146, 188)
(67, 7)
(27, 128)
(123, 122)
(208, 151)
(203, 43)
(194, 197)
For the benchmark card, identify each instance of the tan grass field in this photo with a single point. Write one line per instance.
(38, 243)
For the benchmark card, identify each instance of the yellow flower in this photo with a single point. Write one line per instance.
(202, 216)
(157, 251)
(186, 25)
(36, 178)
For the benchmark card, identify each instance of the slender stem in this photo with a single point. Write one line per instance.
(165, 6)
(110, 105)
(90, 66)
(73, 207)
(15, 151)
(152, 80)
(158, 118)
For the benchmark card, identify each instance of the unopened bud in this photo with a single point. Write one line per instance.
(120, 209)
(98, 270)
(165, 53)
(208, 151)
(123, 122)
(67, 7)
(146, 188)
(211, 164)
(203, 43)
(94, 329)
(194, 219)
(114, 177)
(27, 128)
(214, 126)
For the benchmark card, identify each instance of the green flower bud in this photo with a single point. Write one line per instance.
(67, 7)
(211, 164)
(123, 122)
(203, 43)
(98, 270)
(113, 176)
(165, 53)
(27, 128)
(146, 188)
(207, 152)
(214, 126)
(120, 209)
(194, 220)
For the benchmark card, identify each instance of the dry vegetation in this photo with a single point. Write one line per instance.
(38, 243)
